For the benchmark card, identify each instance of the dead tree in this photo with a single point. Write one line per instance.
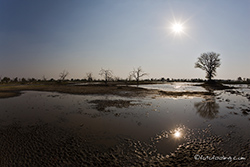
(107, 74)
(63, 75)
(137, 74)
(89, 76)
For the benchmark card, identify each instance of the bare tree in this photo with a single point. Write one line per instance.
(137, 74)
(89, 76)
(107, 74)
(130, 76)
(63, 75)
(208, 62)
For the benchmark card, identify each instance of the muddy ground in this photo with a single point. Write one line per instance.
(45, 145)
(127, 91)
(15, 90)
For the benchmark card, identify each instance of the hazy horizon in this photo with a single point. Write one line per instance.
(43, 38)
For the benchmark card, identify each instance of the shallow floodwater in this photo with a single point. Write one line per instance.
(164, 122)
(176, 87)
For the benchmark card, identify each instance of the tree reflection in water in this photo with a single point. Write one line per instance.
(208, 108)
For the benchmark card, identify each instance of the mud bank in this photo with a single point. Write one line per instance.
(15, 90)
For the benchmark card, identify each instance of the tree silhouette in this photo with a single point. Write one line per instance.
(63, 75)
(6, 80)
(208, 62)
(137, 74)
(89, 76)
(107, 74)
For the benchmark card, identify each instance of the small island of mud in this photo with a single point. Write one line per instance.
(213, 85)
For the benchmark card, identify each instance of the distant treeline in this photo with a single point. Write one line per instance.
(208, 62)
(6, 80)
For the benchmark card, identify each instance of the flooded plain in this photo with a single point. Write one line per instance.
(176, 87)
(152, 130)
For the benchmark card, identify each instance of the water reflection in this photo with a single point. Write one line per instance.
(173, 134)
(176, 86)
(177, 134)
(208, 108)
(167, 141)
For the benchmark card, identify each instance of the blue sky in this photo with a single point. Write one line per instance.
(45, 37)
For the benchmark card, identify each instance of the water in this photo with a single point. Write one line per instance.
(176, 87)
(151, 120)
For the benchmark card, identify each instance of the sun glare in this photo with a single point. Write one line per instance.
(177, 28)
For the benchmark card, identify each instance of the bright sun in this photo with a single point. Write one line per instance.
(177, 28)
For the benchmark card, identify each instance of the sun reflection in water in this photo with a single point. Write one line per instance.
(177, 134)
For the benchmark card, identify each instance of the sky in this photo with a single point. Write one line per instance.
(44, 37)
